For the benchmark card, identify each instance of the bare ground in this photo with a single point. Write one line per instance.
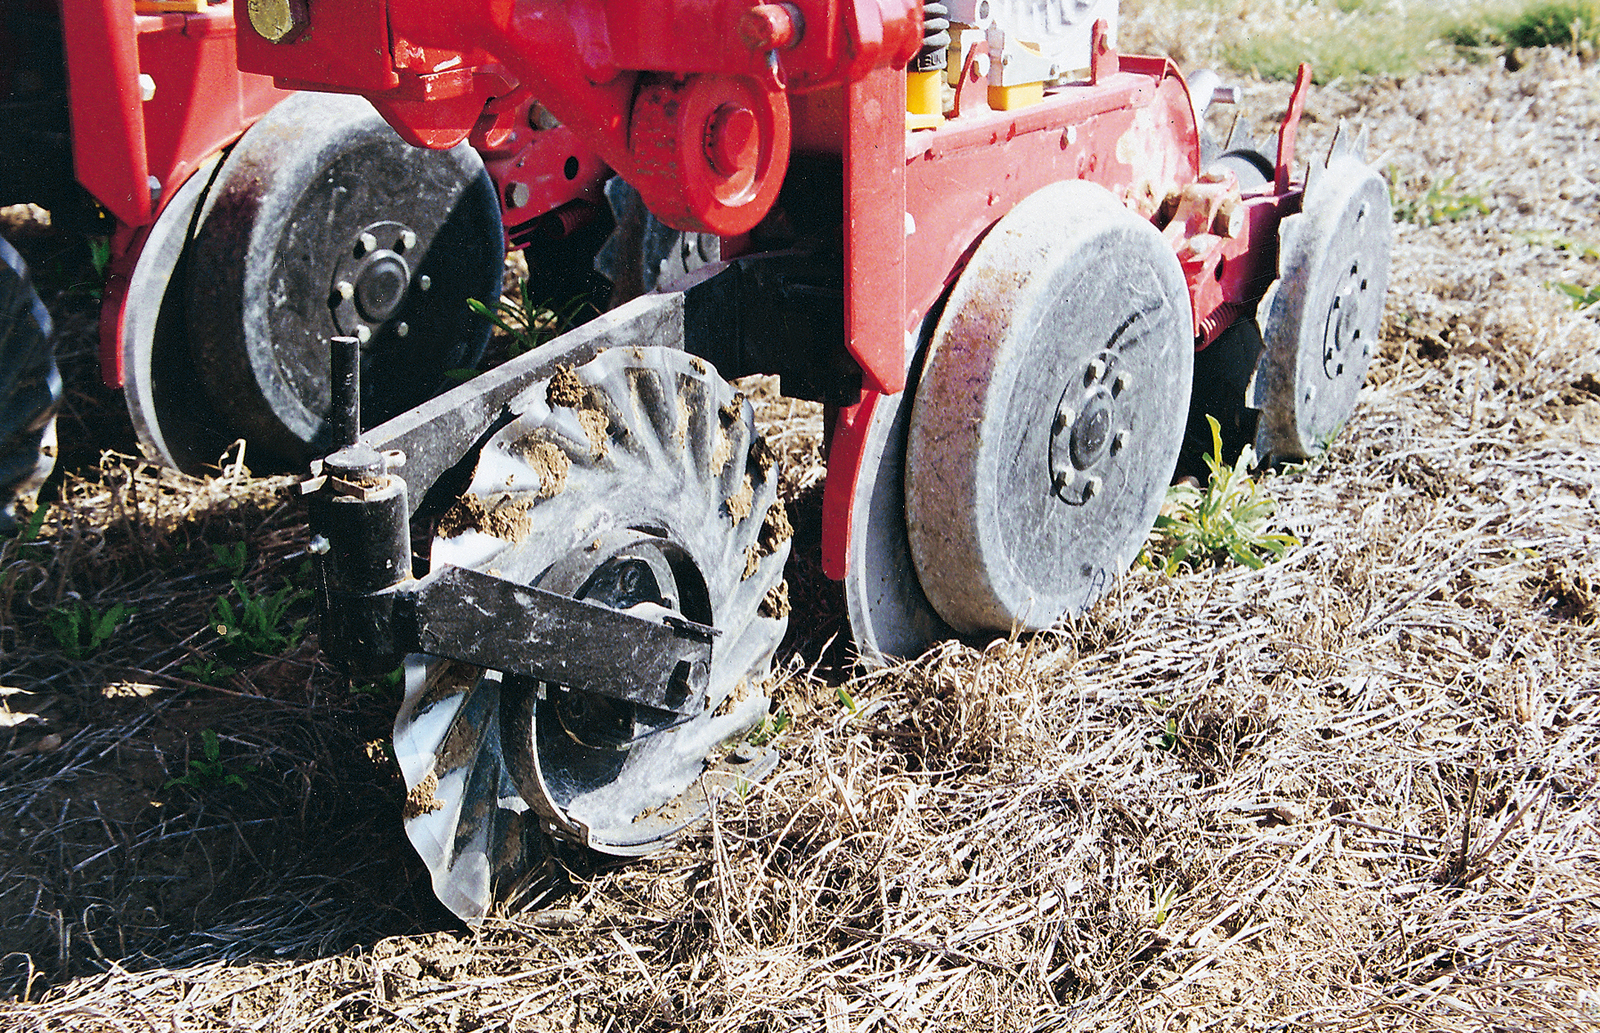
(1354, 790)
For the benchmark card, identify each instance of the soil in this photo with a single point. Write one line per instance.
(1356, 789)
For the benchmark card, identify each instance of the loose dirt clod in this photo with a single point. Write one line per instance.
(595, 426)
(739, 503)
(420, 800)
(565, 389)
(551, 464)
(503, 516)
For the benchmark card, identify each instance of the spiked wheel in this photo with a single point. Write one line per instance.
(1049, 413)
(636, 481)
(1320, 319)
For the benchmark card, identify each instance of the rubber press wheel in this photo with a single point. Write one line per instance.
(30, 388)
(1321, 318)
(322, 222)
(1049, 414)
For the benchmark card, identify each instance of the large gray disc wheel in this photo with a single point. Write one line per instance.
(1321, 318)
(637, 480)
(30, 388)
(1050, 412)
(322, 222)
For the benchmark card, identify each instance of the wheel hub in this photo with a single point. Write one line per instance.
(372, 278)
(1090, 429)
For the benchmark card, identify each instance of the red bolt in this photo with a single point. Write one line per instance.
(771, 27)
(732, 139)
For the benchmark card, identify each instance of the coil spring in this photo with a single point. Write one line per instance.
(935, 37)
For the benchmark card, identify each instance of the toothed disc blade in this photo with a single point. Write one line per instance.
(636, 480)
(1321, 317)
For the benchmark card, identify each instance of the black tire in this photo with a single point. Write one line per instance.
(321, 193)
(30, 388)
(1222, 373)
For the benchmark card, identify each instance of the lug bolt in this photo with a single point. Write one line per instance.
(1118, 443)
(1123, 381)
(363, 333)
(1062, 482)
(408, 240)
(1091, 487)
(1096, 370)
(366, 244)
(401, 329)
(1062, 421)
(345, 289)
(425, 282)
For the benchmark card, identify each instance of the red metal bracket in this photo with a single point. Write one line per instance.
(1290, 129)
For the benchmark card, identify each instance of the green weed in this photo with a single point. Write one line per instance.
(1581, 297)
(257, 622)
(231, 557)
(208, 772)
(770, 728)
(80, 630)
(526, 322)
(1227, 519)
(385, 685)
(209, 670)
(1439, 203)
(846, 700)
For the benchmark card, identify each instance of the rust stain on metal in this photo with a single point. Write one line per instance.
(420, 800)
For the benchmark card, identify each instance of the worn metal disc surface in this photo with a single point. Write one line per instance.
(323, 222)
(1320, 319)
(1050, 412)
(637, 480)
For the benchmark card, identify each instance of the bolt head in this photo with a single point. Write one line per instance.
(1119, 442)
(1091, 487)
(277, 21)
(733, 139)
(345, 289)
(425, 282)
(1063, 481)
(1123, 381)
(363, 333)
(366, 244)
(401, 329)
(408, 240)
(1096, 370)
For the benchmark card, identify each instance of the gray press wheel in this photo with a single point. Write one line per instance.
(1050, 412)
(321, 221)
(635, 480)
(1321, 318)
(30, 388)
